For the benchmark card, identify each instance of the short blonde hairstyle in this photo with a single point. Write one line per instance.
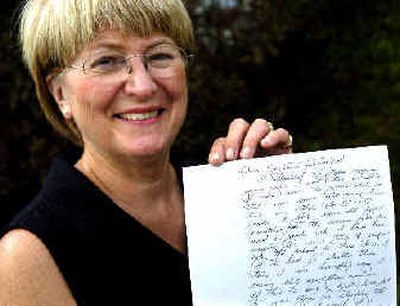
(52, 33)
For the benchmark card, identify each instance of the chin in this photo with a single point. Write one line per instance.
(147, 150)
(155, 144)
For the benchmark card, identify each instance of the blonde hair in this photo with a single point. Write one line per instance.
(52, 33)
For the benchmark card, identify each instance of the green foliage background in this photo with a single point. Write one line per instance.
(327, 70)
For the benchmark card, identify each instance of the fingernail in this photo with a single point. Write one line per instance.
(230, 154)
(266, 140)
(245, 153)
(214, 157)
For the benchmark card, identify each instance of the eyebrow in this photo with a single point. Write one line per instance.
(120, 47)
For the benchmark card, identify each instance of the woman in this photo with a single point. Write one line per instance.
(108, 226)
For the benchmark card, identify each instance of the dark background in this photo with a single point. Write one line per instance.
(326, 70)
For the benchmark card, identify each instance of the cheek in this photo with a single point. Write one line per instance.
(99, 95)
(176, 88)
(176, 94)
(179, 99)
(89, 101)
(89, 97)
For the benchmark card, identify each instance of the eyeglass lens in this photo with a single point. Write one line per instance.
(162, 61)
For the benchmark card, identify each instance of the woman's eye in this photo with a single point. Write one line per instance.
(164, 58)
(161, 56)
(107, 62)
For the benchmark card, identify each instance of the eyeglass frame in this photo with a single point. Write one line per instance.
(186, 59)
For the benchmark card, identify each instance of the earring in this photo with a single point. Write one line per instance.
(66, 110)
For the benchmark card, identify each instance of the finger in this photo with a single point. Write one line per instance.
(236, 134)
(277, 142)
(217, 152)
(277, 137)
(257, 131)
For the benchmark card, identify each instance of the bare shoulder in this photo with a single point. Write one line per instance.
(28, 273)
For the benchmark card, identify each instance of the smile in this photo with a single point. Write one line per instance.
(139, 116)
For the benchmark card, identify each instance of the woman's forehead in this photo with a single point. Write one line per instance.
(122, 40)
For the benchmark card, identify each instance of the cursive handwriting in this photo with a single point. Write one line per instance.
(316, 232)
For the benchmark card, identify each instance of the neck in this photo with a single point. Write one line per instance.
(148, 190)
(133, 184)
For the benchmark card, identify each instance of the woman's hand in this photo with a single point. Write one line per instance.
(246, 140)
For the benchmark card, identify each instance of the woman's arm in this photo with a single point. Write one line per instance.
(28, 273)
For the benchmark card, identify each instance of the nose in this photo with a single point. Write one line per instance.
(139, 82)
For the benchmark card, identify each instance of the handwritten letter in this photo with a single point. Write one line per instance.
(302, 229)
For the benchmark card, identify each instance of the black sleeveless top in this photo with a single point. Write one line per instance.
(105, 255)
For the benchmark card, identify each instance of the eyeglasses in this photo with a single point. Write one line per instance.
(162, 61)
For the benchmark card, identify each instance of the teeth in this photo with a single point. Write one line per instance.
(137, 117)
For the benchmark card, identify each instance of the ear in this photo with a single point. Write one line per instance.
(56, 88)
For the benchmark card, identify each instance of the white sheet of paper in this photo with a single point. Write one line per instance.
(300, 229)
